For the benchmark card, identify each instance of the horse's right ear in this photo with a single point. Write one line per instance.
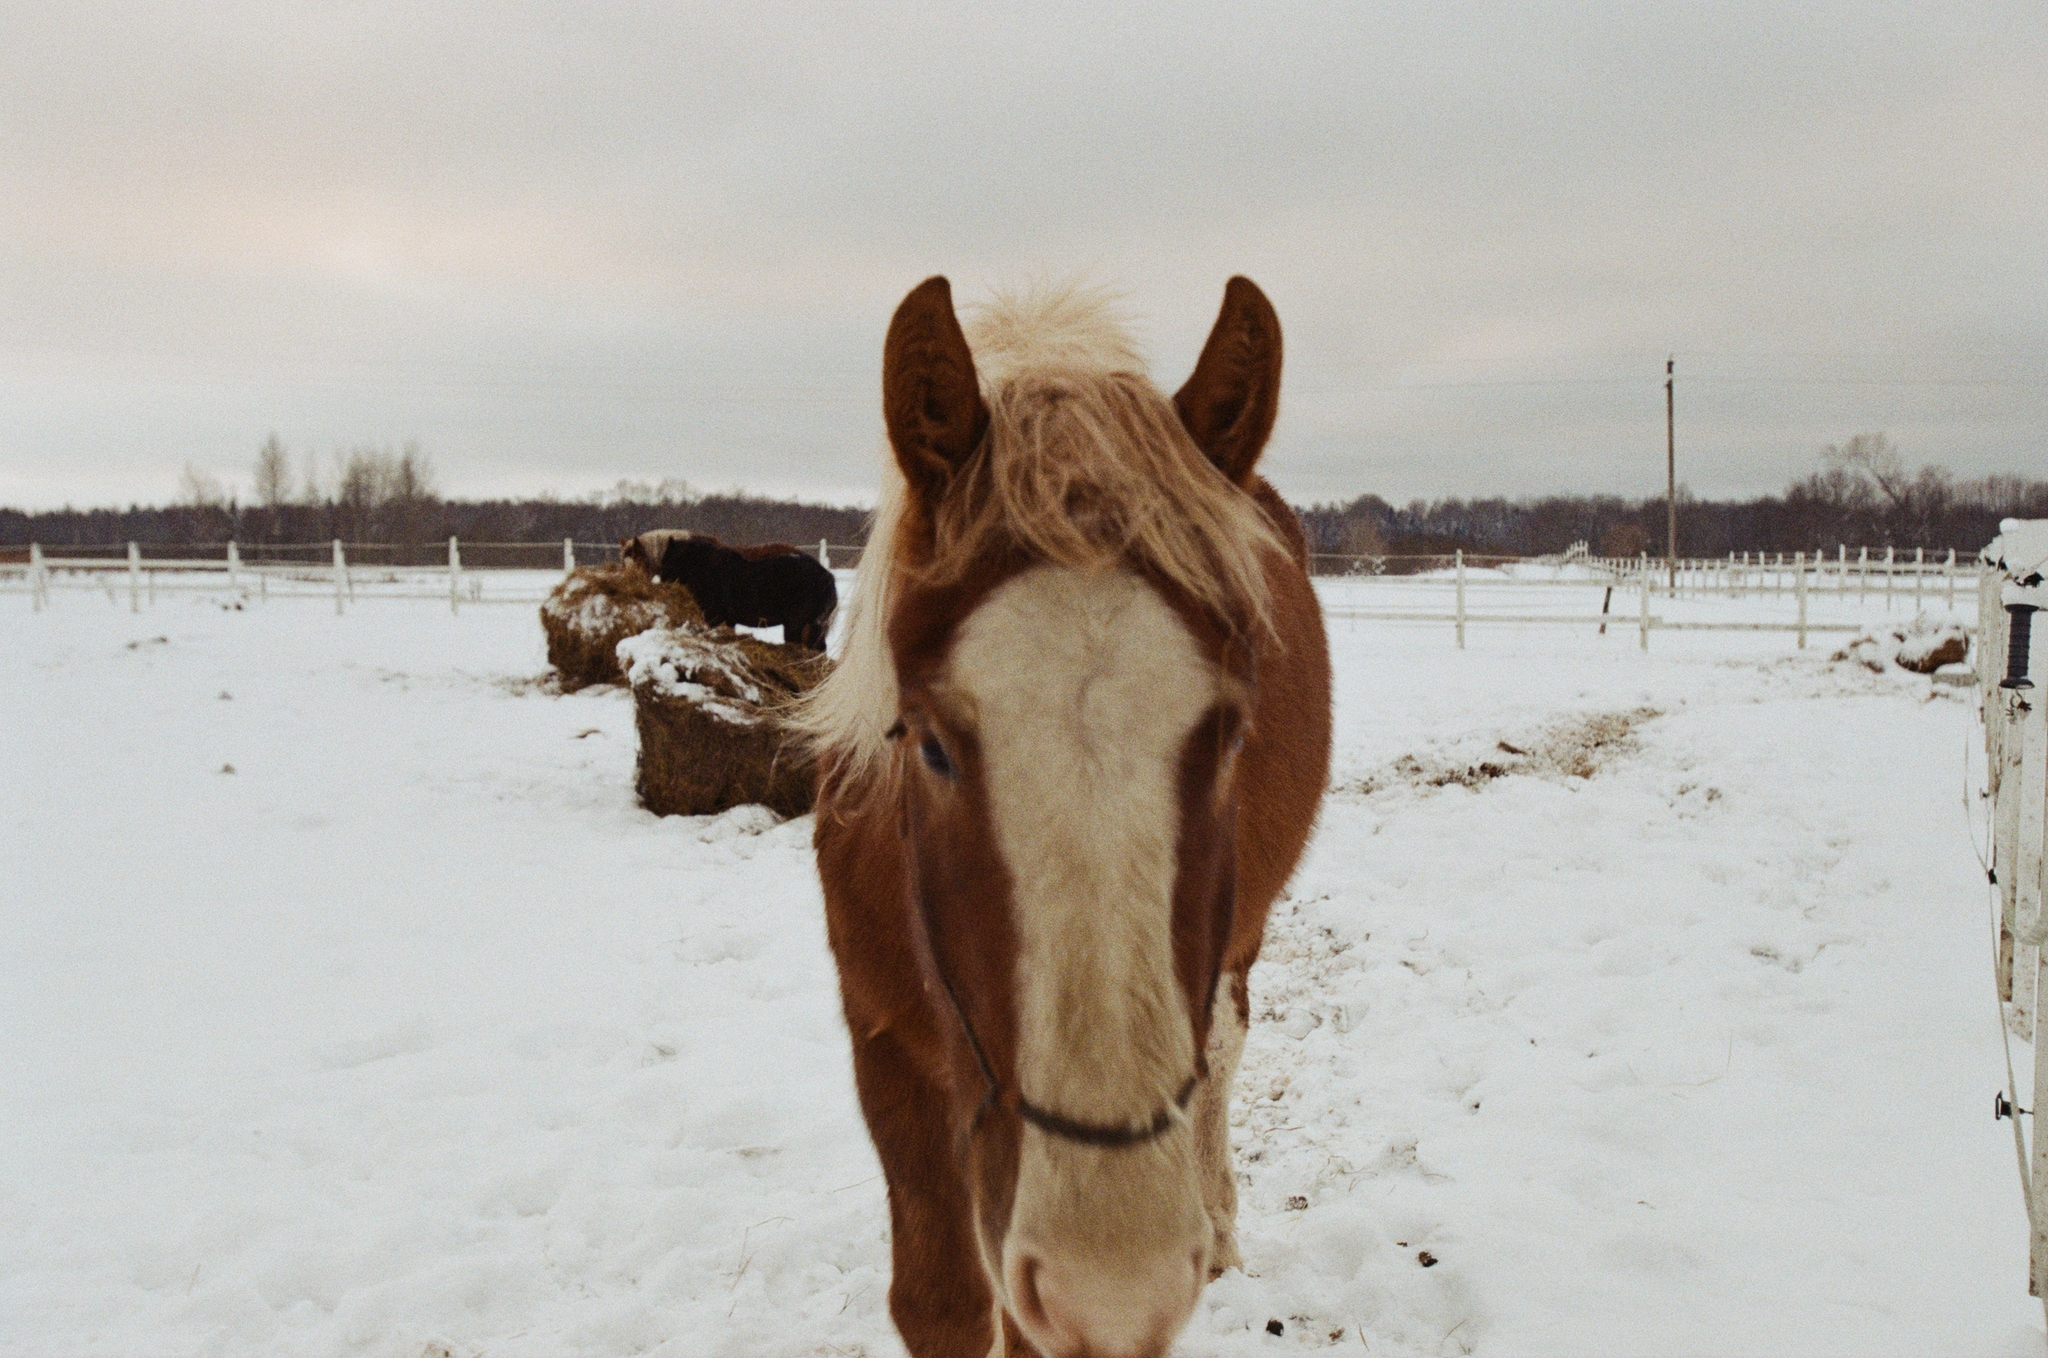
(930, 396)
(1229, 404)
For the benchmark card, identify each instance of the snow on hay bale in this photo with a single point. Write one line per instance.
(597, 607)
(1922, 646)
(708, 707)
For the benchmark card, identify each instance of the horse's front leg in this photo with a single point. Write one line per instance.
(939, 1296)
(1212, 1120)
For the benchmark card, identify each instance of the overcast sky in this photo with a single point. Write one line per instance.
(564, 245)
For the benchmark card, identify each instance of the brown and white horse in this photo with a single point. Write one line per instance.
(1071, 754)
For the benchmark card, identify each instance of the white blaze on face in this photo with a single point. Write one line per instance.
(1083, 689)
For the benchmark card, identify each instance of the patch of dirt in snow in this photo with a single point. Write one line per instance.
(547, 685)
(1576, 747)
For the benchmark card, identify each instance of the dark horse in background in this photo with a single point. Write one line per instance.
(768, 585)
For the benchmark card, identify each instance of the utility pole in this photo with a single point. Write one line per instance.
(1670, 477)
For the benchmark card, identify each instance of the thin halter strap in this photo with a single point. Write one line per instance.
(1052, 1124)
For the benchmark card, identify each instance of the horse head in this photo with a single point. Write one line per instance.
(1076, 616)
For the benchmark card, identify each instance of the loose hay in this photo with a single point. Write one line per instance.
(1575, 747)
(596, 608)
(709, 707)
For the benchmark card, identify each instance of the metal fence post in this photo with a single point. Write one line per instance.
(37, 591)
(1461, 598)
(1888, 579)
(824, 554)
(454, 575)
(134, 578)
(340, 578)
(1950, 571)
(234, 565)
(1919, 566)
(568, 556)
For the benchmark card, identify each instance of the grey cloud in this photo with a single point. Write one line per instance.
(560, 247)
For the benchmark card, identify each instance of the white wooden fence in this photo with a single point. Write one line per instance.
(1820, 595)
(2012, 683)
(298, 570)
(1544, 591)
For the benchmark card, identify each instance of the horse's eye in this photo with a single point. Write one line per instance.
(935, 757)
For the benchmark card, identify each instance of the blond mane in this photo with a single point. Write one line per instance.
(1086, 464)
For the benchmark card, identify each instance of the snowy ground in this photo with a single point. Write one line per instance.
(349, 1005)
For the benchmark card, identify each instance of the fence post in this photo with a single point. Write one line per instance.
(37, 592)
(1919, 564)
(1841, 570)
(1800, 566)
(234, 565)
(1950, 571)
(340, 578)
(1461, 598)
(568, 556)
(824, 554)
(1991, 639)
(134, 578)
(1888, 579)
(1862, 573)
(2029, 770)
(1643, 602)
(454, 575)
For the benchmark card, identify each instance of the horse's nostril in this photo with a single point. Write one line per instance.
(1024, 1296)
(1127, 1311)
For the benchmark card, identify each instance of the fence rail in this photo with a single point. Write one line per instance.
(1356, 588)
(459, 573)
(1818, 595)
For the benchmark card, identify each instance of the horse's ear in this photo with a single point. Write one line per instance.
(1228, 405)
(930, 396)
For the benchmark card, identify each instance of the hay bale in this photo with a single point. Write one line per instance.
(1926, 652)
(597, 607)
(1923, 646)
(708, 707)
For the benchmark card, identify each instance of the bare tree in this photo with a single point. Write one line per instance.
(1873, 457)
(1361, 537)
(273, 480)
(409, 479)
(200, 489)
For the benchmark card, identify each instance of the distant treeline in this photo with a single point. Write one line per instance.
(730, 517)
(1863, 497)
(1817, 514)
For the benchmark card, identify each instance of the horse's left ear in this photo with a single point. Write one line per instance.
(1229, 404)
(931, 398)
